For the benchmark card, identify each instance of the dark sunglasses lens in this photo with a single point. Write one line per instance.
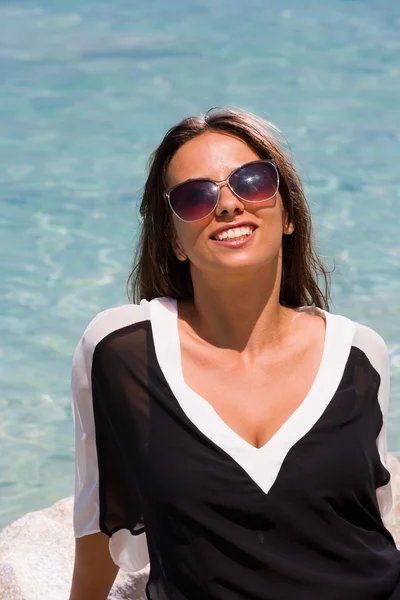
(194, 200)
(255, 182)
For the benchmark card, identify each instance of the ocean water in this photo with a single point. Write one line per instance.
(87, 89)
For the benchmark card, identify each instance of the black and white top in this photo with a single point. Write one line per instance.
(158, 471)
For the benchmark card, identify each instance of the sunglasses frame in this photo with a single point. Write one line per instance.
(220, 184)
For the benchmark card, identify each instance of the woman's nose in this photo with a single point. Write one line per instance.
(228, 202)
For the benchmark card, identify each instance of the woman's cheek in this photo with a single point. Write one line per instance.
(187, 237)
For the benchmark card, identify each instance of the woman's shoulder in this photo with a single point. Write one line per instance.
(372, 344)
(111, 320)
(348, 332)
(367, 339)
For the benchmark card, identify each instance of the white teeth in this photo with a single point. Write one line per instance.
(234, 233)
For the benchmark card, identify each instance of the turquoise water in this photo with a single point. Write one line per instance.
(86, 91)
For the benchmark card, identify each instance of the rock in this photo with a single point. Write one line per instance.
(393, 523)
(37, 553)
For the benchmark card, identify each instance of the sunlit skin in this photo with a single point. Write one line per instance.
(237, 341)
(236, 290)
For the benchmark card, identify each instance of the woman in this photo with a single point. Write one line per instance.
(229, 429)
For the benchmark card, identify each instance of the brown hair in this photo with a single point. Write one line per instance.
(157, 271)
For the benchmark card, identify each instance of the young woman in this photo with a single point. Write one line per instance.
(229, 429)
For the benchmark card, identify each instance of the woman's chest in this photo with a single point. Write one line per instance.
(254, 401)
(321, 453)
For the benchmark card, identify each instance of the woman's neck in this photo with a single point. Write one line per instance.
(240, 312)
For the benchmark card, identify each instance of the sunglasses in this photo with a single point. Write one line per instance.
(195, 199)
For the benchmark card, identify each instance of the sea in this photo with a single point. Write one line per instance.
(87, 90)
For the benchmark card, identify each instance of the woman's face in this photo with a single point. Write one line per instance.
(215, 155)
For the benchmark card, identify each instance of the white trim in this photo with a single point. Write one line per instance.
(374, 347)
(261, 464)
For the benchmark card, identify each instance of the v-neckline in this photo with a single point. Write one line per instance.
(316, 382)
(339, 333)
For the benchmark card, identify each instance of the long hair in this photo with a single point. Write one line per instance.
(157, 271)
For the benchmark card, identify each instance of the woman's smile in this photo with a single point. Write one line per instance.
(235, 237)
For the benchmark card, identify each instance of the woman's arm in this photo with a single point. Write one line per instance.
(94, 570)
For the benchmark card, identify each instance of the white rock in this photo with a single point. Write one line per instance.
(393, 523)
(37, 553)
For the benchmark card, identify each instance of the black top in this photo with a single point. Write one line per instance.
(158, 471)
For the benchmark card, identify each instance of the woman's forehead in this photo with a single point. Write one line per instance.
(211, 155)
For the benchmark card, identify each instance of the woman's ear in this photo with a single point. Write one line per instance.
(288, 226)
